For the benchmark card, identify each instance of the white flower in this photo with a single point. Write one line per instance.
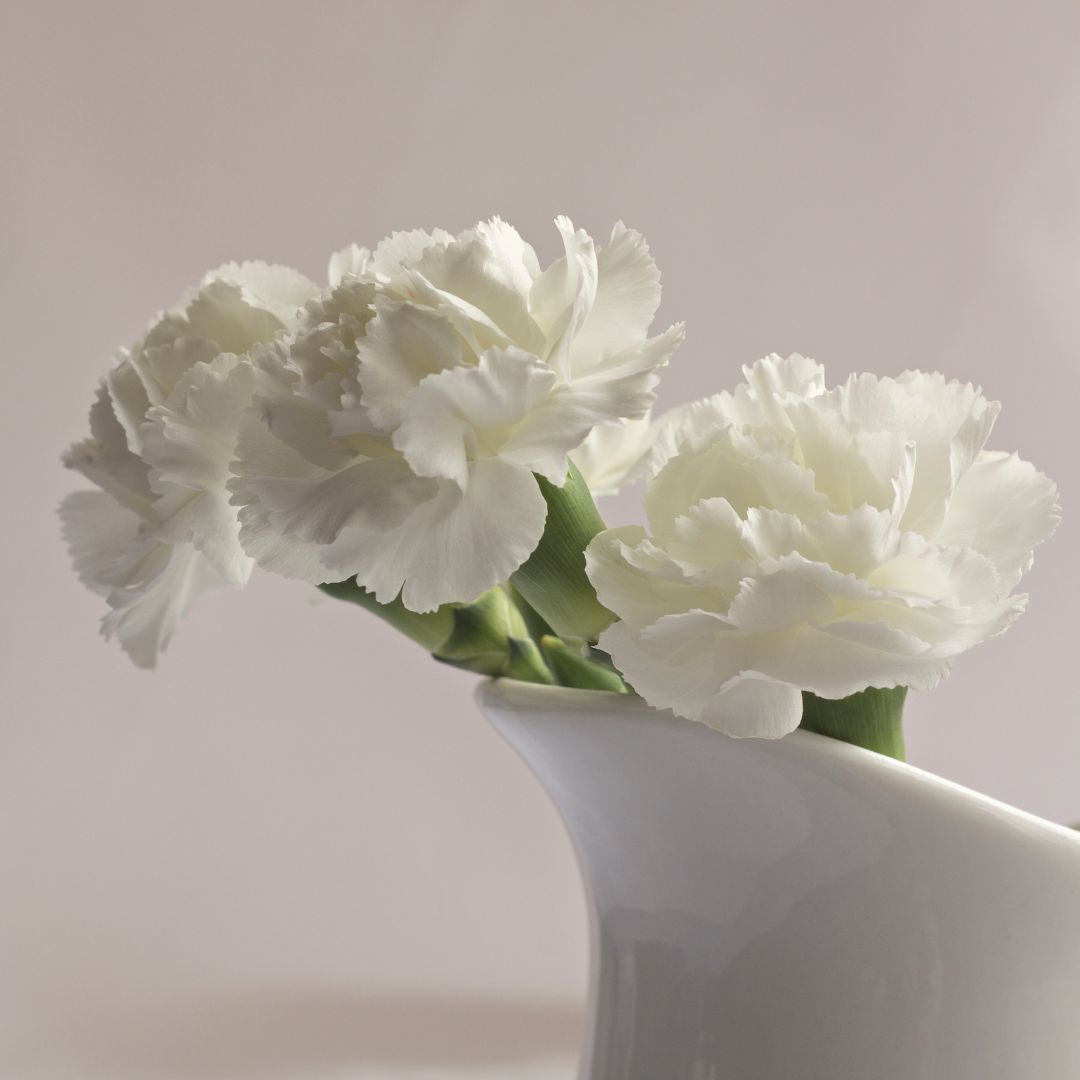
(422, 393)
(163, 432)
(830, 541)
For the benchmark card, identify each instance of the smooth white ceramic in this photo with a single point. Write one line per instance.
(801, 909)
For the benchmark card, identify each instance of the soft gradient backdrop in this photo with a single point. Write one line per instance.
(297, 845)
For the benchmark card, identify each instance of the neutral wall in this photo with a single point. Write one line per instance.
(298, 807)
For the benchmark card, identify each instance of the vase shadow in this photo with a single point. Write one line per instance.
(304, 1033)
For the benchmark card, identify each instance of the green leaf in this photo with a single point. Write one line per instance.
(872, 718)
(573, 669)
(553, 579)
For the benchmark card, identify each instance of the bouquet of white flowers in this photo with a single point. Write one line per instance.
(425, 434)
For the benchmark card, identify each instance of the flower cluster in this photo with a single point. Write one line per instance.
(424, 434)
(804, 539)
(390, 427)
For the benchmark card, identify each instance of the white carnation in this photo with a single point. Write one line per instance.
(829, 541)
(422, 393)
(163, 432)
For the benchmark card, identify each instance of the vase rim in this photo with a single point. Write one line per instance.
(523, 697)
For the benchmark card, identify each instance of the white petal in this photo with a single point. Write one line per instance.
(129, 399)
(189, 443)
(695, 666)
(949, 422)
(162, 365)
(623, 385)
(514, 259)
(279, 289)
(774, 385)
(310, 485)
(403, 344)
(844, 658)
(627, 296)
(855, 543)
(401, 250)
(96, 528)
(777, 602)
(708, 535)
(351, 261)
(563, 295)
(614, 454)
(263, 452)
(332, 326)
(165, 579)
(670, 671)
(778, 380)
(485, 270)
(105, 459)
(852, 467)
(723, 468)
(1003, 507)
(148, 583)
(469, 413)
(639, 582)
(554, 426)
(221, 313)
(752, 707)
(692, 424)
(454, 546)
(920, 569)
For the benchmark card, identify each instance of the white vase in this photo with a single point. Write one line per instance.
(801, 909)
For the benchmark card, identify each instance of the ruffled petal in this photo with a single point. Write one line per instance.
(1003, 507)
(129, 399)
(403, 250)
(265, 449)
(614, 454)
(189, 443)
(639, 582)
(692, 664)
(147, 582)
(500, 408)
(454, 546)
(627, 298)
(351, 261)
(104, 459)
(279, 290)
(623, 385)
(742, 475)
(844, 658)
(488, 269)
(403, 345)
(563, 295)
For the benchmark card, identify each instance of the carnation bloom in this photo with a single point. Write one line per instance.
(422, 393)
(822, 540)
(162, 433)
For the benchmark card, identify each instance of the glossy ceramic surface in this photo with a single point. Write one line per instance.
(801, 909)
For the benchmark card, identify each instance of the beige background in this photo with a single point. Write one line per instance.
(297, 846)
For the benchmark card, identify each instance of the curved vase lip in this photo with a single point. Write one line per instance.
(522, 697)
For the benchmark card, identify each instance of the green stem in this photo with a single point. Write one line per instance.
(429, 629)
(573, 669)
(490, 638)
(553, 579)
(872, 718)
